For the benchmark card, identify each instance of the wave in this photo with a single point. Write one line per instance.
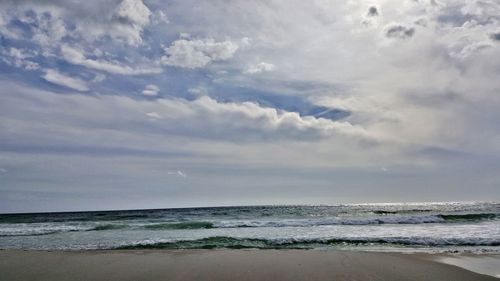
(7, 234)
(470, 217)
(331, 221)
(47, 229)
(70, 217)
(243, 243)
(35, 231)
(383, 219)
(156, 226)
(180, 225)
(387, 212)
(108, 227)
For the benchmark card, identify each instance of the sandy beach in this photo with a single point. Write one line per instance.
(225, 265)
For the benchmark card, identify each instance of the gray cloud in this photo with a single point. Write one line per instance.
(372, 12)
(495, 36)
(399, 32)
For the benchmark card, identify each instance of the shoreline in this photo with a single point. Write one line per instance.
(229, 264)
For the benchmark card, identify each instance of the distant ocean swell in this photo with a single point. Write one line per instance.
(28, 229)
(242, 243)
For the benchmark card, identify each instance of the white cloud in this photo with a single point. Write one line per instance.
(49, 30)
(159, 17)
(99, 77)
(154, 115)
(197, 53)
(76, 56)
(133, 12)
(198, 91)
(260, 67)
(151, 90)
(131, 17)
(19, 58)
(55, 77)
(177, 173)
(247, 120)
(201, 118)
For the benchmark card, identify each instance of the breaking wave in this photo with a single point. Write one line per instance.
(388, 218)
(470, 217)
(243, 243)
(180, 225)
(108, 227)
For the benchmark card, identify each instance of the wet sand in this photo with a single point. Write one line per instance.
(225, 265)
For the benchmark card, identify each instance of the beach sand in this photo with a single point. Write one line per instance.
(225, 265)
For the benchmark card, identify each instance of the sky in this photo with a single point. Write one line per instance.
(150, 104)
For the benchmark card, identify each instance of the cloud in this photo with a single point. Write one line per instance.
(133, 16)
(151, 90)
(469, 49)
(50, 30)
(399, 32)
(154, 115)
(55, 77)
(248, 120)
(133, 12)
(393, 97)
(99, 77)
(197, 53)
(495, 36)
(204, 117)
(372, 12)
(177, 173)
(76, 56)
(19, 58)
(260, 67)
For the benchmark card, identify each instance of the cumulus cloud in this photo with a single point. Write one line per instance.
(197, 53)
(260, 67)
(151, 90)
(463, 51)
(134, 16)
(203, 117)
(76, 56)
(399, 32)
(55, 77)
(133, 12)
(248, 120)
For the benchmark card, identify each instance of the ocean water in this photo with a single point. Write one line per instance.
(427, 227)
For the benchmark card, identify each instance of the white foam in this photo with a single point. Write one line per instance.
(489, 265)
(417, 219)
(20, 229)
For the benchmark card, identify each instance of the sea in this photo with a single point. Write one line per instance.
(451, 227)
